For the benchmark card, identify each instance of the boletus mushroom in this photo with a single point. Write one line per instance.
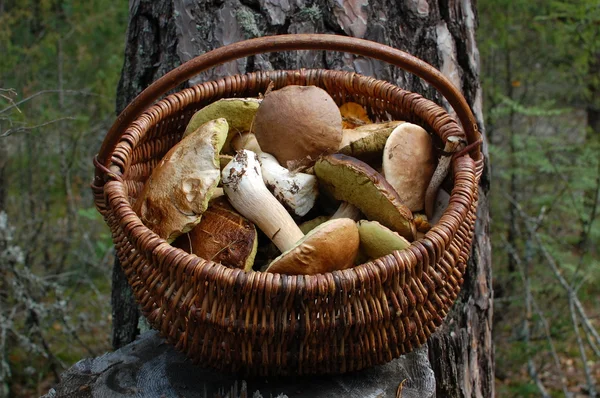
(331, 246)
(408, 163)
(297, 124)
(296, 191)
(377, 241)
(244, 187)
(180, 186)
(367, 142)
(223, 236)
(353, 181)
(239, 113)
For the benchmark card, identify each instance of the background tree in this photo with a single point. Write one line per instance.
(540, 68)
(58, 75)
(162, 35)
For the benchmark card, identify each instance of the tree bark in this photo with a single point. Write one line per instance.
(162, 35)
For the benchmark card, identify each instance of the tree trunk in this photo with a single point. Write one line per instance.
(162, 35)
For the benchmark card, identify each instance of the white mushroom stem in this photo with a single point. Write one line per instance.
(440, 173)
(347, 210)
(296, 191)
(243, 185)
(245, 141)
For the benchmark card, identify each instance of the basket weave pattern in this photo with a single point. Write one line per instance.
(263, 323)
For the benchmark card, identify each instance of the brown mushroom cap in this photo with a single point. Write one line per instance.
(331, 246)
(377, 241)
(223, 236)
(356, 182)
(239, 113)
(297, 123)
(177, 193)
(408, 163)
(309, 225)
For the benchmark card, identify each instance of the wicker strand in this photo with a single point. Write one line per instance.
(266, 323)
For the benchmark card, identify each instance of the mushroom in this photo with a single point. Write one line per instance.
(440, 173)
(217, 193)
(408, 163)
(331, 246)
(180, 186)
(421, 222)
(309, 225)
(243, 185)
(245, 141)
(377, 241)
(367, 142)
(347, 210)
(239, 113)
(350, 180)
(298, 124)
(296, 191)
(223, 236)
(223, 160)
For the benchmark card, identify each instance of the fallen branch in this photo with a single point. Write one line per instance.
(585, 321)
(588, 374)
(21, 129)
(530, 302)
(76, 92)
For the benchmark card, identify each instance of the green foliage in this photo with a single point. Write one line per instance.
(541, 84)
(62, 60)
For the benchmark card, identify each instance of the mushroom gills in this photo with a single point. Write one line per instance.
(239, 113)
(350, 180)
(367, 142)
(377, 241)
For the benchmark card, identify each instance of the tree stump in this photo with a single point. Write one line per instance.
(150, 368)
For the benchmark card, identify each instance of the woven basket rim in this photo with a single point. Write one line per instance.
(433, 241)
(268, 323)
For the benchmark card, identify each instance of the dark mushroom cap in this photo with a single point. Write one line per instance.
(223, 236)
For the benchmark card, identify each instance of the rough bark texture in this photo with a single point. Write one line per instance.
(125, 313)
(164, 34)
(151, 369)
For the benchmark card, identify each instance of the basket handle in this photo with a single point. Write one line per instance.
(286, 43)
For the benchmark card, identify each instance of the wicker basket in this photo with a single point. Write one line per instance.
(263, 323)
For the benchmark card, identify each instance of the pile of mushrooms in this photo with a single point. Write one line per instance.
(290, 183)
